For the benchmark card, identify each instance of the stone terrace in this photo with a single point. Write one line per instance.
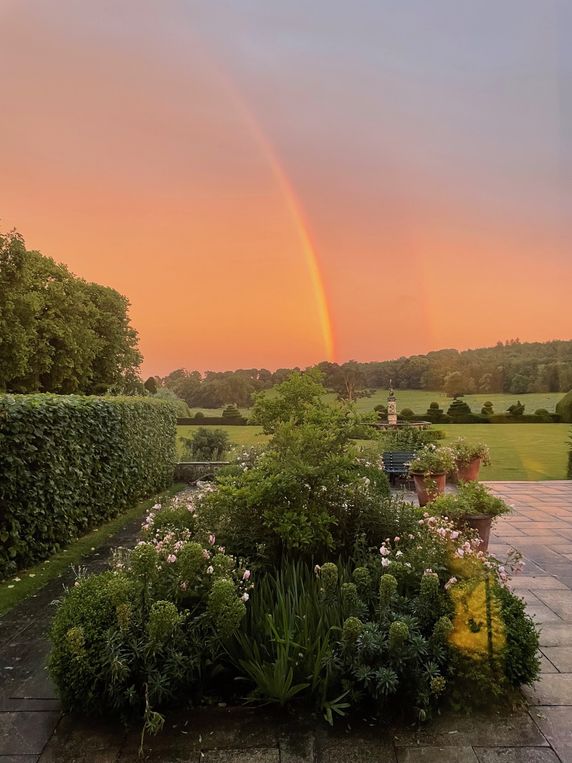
(32, 729)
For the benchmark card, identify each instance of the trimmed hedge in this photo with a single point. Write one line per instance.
(70, 462)
(496, 418)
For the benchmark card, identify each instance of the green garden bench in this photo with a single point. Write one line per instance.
(396, 464)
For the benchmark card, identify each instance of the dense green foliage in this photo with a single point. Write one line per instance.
(68, 462)
(151, 631)
(354, 601)
(181, 408)
(59, 333)
(458, 408)
(207, 444)
(564, 408)
(471, 498)
(308, 495)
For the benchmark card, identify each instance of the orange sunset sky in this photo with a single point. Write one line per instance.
(275, 182)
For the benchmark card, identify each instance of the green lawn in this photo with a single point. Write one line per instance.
(518, 451)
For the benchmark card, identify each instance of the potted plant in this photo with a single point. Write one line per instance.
(474, 506)
(429, 470)
(468, 459)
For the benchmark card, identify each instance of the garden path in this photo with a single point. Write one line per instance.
(32, 729)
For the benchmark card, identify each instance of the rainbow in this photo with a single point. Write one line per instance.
(290, 198)
(297, 216)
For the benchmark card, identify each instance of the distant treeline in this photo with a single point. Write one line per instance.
(512, 366)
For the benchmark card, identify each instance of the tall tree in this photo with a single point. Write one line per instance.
(59, 333)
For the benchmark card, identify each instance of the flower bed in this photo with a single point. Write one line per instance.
(295, 577)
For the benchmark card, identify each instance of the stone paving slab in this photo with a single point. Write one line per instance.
(25, 733)
(556, 725)
(560, 657)
(437, 755)
(551, 689)
(253, 755)
(516, 755)
(355, 748)
(516, 730)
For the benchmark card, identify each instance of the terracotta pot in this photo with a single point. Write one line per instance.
(424, 495)
(482, 524)
(469, 472)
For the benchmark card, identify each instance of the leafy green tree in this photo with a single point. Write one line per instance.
(181, 408)
(151, 385)
(518, 385)
(59, 333)
(19, 306)
(454, 384)
(349, 381)
(300, 396)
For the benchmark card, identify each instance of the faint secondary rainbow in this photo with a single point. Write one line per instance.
(289, 195)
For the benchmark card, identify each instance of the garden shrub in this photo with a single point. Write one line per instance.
(487, 409)
(207, 444)
(564, 408)
(516, 409)
(149, 632)
(407, 414)
(435, 414)
(231, 412)
(69, 462)
(458, 408)
(309, 494)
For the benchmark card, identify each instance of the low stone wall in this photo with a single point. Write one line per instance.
(191, 471)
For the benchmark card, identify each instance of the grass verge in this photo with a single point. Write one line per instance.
(27, 582)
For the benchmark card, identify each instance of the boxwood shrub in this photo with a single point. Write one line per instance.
(70, 462)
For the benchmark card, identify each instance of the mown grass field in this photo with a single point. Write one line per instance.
(518, 451)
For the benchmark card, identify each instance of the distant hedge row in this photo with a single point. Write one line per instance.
(496, 418)
(70, 462)
(207, 421)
